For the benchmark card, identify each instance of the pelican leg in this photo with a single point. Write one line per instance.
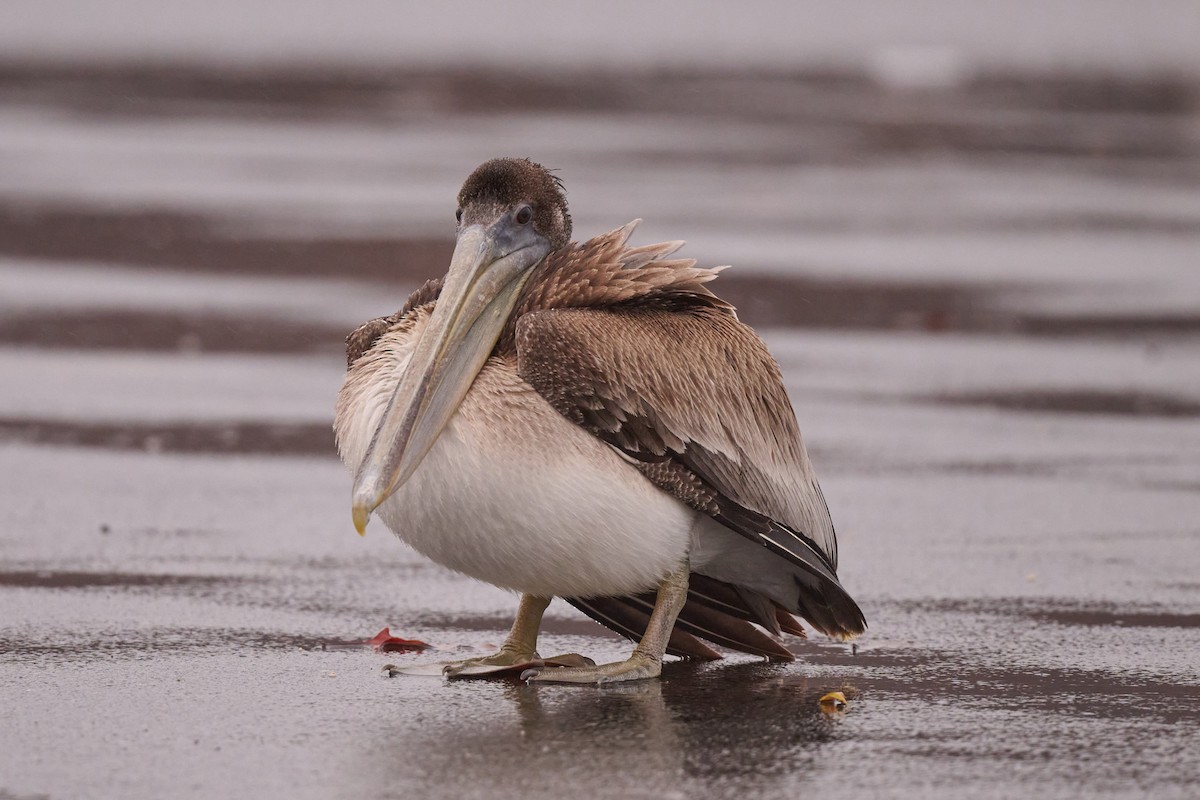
(646, 660)
(520, 647)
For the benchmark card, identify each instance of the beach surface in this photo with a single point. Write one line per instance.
(984, 292)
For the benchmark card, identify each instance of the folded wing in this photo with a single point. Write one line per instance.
(693, 398)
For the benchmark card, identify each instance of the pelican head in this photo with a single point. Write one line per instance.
(511, 214)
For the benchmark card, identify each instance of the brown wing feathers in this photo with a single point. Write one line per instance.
(647, 359)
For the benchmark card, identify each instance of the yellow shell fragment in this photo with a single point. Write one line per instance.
(833, 702)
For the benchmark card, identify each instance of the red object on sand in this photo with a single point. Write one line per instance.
(384, 642)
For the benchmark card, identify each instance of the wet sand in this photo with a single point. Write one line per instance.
(983, 298)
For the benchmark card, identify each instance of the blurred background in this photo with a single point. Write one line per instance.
(970, 234)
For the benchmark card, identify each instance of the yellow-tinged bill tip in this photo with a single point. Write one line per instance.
(361, 516)
(362, 503)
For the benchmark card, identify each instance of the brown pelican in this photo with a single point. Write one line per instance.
(589, 421)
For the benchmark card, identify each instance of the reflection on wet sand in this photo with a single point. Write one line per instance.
(757, 729)
(752, 725)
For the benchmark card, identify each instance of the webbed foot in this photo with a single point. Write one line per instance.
(497, 662)
(514, 662)
(638, 666)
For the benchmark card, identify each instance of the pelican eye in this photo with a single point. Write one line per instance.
(524, 215)
(458, 215)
